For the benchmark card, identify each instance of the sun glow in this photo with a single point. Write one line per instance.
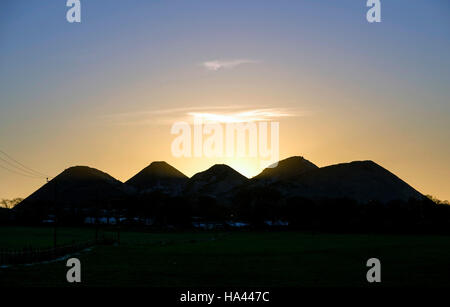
(247, 167)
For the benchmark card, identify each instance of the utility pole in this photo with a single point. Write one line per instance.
(55, 218)
(118, 223)
(97, 210)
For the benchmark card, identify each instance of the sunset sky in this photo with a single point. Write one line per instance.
(105, 92)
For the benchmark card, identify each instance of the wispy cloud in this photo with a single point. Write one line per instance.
(217, 65)
(253, 115)
(170, 111)
(162, 116)
(217, 114)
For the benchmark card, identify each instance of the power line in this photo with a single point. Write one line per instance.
(15, 167)
(30, 170)
(18, 173)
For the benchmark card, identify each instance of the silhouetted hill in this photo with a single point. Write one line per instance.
(360, 180)
(78, 186)
(216, 180)
(159, 176)
(220, 191)
(287, 169)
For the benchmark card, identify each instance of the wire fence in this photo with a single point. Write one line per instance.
(30, 255)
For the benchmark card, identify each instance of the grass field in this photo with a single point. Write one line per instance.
(237, 259)
(42, 237)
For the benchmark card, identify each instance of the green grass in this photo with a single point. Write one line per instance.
(42, 237)
(249, 259)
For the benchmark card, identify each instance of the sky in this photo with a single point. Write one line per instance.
(105, 92)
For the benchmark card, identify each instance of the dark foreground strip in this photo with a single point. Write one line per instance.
(277, 296)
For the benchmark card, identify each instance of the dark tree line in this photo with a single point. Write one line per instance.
(255, 207)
